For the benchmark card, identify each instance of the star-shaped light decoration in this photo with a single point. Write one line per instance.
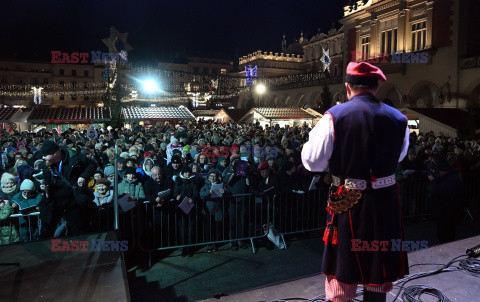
(326, 59)
(117, 42)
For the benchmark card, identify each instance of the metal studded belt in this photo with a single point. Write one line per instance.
(361, 184)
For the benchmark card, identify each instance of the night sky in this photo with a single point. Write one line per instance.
(30, 29)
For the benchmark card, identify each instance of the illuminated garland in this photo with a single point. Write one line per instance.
(174, 83)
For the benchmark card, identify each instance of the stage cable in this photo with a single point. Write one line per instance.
(412, 293)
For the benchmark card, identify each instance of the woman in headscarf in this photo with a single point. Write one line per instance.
(145, 171)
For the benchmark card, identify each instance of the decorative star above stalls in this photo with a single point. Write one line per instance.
(117, 42)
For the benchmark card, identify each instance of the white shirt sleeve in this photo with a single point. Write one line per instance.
(317, 151)
(406, 142)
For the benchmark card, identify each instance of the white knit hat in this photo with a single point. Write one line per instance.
(27, 184)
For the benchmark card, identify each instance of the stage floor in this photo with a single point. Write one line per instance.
(43, 275)
(457, 286)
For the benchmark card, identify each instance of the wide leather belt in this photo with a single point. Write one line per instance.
(361, 184)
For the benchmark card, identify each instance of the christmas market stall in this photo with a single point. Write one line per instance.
(66, 118)
(14, 119)
(451, 122)
(278, 116)
(205, 114)
(145, 116)
(230, 115)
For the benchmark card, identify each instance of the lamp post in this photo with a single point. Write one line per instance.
(260, 89)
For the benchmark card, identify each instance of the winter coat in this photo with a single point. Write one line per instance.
(152, 188)
(205, 190)
(169, 173)
(262, 184)
(135, 189)
(26, 203)
(447, 196)
(287, 183)
(187, 187)
(5, 196)
(107, 199)
(238, 184)
(8, 231)
(61, 194)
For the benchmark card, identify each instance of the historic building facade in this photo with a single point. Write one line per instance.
(73, 83)
(428, 49)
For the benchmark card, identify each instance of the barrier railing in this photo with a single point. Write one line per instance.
(239, 218)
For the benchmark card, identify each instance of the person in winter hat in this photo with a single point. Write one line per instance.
(27, 200)
(103, 193)
(109, 173)
(131, 185)
(9, 186)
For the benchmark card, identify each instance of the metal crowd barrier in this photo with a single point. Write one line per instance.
(243, 217)
(414, 197)
(300, 212)
(228, 219)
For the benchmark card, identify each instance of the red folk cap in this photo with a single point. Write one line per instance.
(364, 73)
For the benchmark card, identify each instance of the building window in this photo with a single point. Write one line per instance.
(74, 72)
(85, 85)
(366, 48)
(85, 73)
(62, 72)
(45, 81)
(389, 41)
(62, 84)
(62, 97)
(74, 97)
(419, 35)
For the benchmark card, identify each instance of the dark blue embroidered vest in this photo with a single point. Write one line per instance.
(368, 137)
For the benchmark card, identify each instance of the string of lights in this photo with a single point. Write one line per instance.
(173, 83)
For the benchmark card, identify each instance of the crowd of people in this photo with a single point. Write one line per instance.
(65, 176)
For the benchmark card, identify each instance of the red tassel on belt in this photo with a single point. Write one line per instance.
(335, 236)
(325, 236)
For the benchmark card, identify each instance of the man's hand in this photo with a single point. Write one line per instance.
(430, 176)
(14, 205)
(81, 181)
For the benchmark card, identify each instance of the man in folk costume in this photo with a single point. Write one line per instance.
(361, 142)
